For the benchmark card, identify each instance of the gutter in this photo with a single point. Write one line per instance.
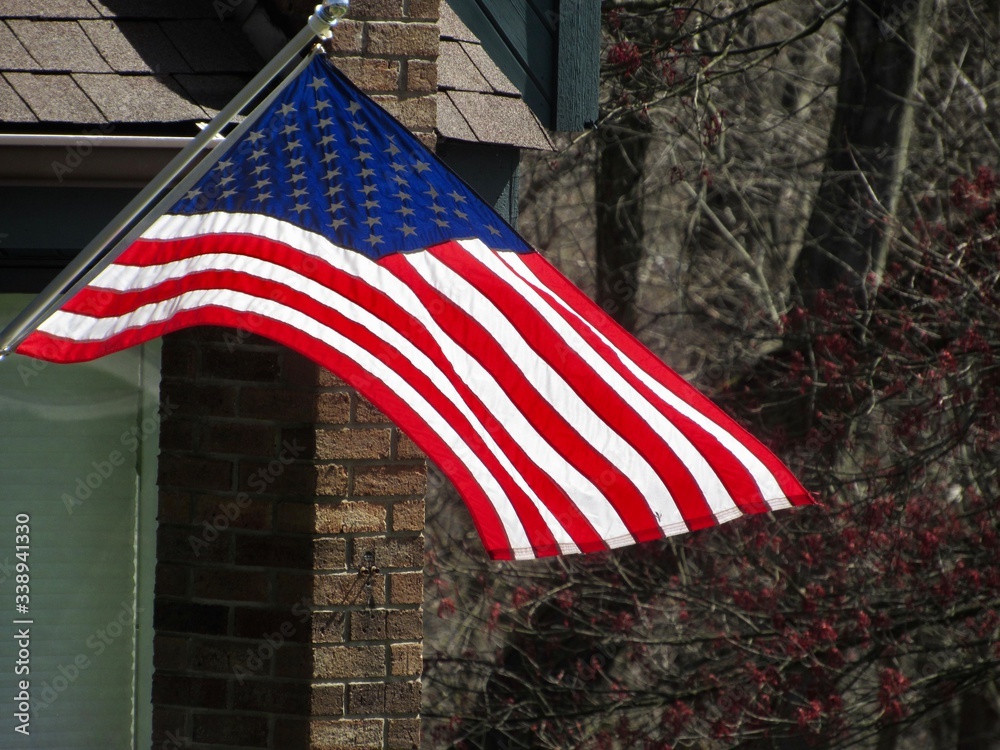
(89, 160)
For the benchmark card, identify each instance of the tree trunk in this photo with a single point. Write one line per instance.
(979, 721)
(619, 196)
(848, 233)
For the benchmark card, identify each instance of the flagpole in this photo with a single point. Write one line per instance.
(319, 24)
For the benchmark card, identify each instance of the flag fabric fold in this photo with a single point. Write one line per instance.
(329, 228)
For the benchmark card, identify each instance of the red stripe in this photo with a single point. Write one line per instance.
(614, 411)
(382, 305)
(576, 300)
(735, 477)
(628, 502)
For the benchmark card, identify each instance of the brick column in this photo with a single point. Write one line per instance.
(290, 553)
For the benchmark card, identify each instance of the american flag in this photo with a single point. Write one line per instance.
(326, 226)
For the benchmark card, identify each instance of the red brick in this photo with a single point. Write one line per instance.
(421, 77)
(239, 585)
(178, 359)
(407, 658)
(329, 554)
(333, 408)
(178, 434)
(294, 587)
(353, 443)
(229, 364)
(328, 380)
(406, 448)
(276, 478)
(230, 729)
(428, 9)
(299, 371)
(331, 480)
(277, 403)
(239, 439)
(256, 623)
(174, 507)
(406, 588)
(192, 544)
(347, 734)
(346, 589)
(169, 652)
(271, 697)
(402, 697)
(390, 553)
(366, 698)
(350, 517)
(347, 37)
(408, 516)
(273, 551)
(222, 657)
(405, 39)
(368, 625)
(376, 9)
(349, 661)
(327, 700)
(365, 412)
(200, 400)
(172, 580)
(370, 74)
(418, 113)
(293, 660)
(403, 734)
(296, 517)
(195, 472)
(404, 625)
(291, 733)
(390, 480)
(201, 692)
(328, 627)
(241, 511)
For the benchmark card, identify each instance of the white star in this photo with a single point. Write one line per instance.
(290, 128)
(440, 222)
(331, 173)
(317, 83)
(334, 207)
(298, 193)
(286, 109)
(461, 214)
(399, 180)
(405, 210)
(362, 156)
(337, 223)
(493, 230)
(259, 169)
(298, 161)
(353, 107)
(372, 221)
(254, 136)
(366, 172)
(226, 180)
(407, 230)
(397, 167)
(361, 141)
(223, 165)
(297, 177)
(329, 156)
(193, 193)
(333, 190)
(324, 123)
(326, 140)
(361, 127)
(375, 239)
(392, 150)
(370, 204)
(432, 193)
(438, 210)
(227, 193)
(421, 166)
(259, 153)
(457, 196)
(292, 145)
(300, 207)
(262, 196)
(261, 184)
(367, 189)
(402, 196)
(321, 104)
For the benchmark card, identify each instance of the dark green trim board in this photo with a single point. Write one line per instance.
(491, 170)
(549, 49)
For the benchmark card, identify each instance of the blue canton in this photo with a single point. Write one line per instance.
(325, 157)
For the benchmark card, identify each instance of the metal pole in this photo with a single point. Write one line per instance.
(53, 295)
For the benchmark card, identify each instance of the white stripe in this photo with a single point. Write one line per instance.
(135, 278)
(551, 385)
(588, 498)
(69, 325)
(766, 482)
(712, 488)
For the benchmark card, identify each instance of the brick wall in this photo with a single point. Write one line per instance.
(289, 579)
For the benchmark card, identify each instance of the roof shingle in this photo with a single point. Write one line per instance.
(135, 47)
(139, 98)
(55, 97)
(59, 46)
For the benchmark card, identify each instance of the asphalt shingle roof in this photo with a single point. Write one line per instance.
(167, 63)
(476, 101)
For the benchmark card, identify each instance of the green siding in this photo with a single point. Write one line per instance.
(490, 170)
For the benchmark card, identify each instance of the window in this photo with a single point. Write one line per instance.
(78, 449)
